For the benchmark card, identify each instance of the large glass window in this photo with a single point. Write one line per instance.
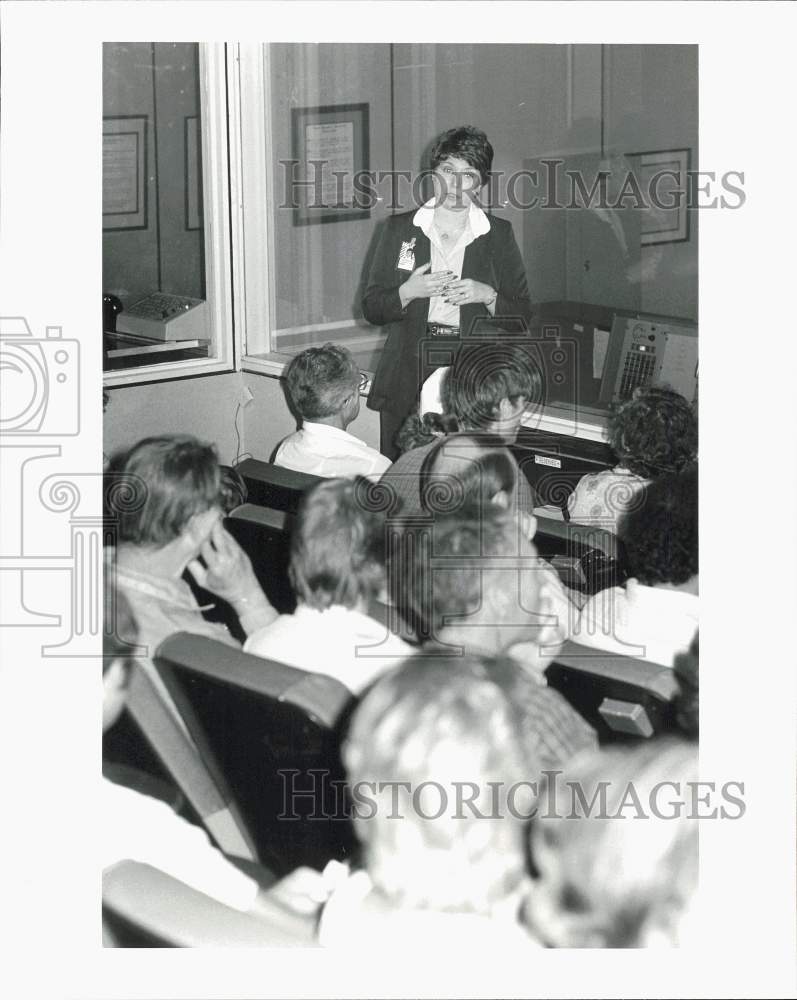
(163, 237)
(335, 138)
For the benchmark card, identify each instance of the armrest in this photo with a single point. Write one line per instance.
(179, 916)
(272, 485)
(572, 533)
(255, 514)
(658, 680)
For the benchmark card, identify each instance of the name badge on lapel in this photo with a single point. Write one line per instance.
(406, 259)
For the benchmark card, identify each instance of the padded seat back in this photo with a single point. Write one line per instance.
(273, 486)
(621, 697)
(264, 534)
(268, 736)
(554, 463)
(143, 907)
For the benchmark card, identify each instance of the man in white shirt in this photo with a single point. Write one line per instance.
(323, 384)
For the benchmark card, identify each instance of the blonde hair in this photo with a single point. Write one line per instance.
(609, 880)
(440, 722)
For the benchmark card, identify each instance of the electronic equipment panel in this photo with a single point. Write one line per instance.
(650, 350)
(166, 317)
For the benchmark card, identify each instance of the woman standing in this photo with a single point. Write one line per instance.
(435, 271)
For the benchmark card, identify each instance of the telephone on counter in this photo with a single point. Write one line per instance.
(162, 316)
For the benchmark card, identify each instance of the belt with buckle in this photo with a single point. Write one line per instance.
(441, 330)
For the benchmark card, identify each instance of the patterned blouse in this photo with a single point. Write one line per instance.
(601, 498)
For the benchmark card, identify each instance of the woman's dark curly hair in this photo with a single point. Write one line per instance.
(653, 433)
(465, 142)
(687, 703)
(660, 535)
(417, 431)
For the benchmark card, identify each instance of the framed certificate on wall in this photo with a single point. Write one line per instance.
(124, 172)
(330, 152)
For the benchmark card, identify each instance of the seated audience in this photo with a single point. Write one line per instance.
(323, 384)
(652, 434)
(437, 870)
(485, 390)
(167, 519)
(337, 569)
(687, 704)
(608, 879)
(655, 615)
(478, 588)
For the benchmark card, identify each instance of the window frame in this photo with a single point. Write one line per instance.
(252, 193)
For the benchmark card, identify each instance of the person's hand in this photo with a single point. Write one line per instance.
(464, 291)
(423, 284)
(528, 524)
(303, 891)
(225, 569)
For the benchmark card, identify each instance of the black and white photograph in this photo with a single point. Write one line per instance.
(353, 565)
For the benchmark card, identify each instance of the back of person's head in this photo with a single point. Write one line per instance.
(431, 724)
(464, 472)
(164, 481)
(687, 704)
(469, 584)
(338, 545)
(233, 490)
(464, 142)
(483, 375)
(321, 380)
(418, 431)
(654, 432)
(608, 876)
(661, 533)
(447, 580)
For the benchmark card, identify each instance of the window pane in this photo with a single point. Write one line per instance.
(328, 103)
(350, 129)
(153, 238)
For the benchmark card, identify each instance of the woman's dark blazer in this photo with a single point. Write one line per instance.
(493, 258)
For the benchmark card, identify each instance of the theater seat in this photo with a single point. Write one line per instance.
(145, 908)
(264, 534)
(266, 737)
(621, 697)
(272, 486)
